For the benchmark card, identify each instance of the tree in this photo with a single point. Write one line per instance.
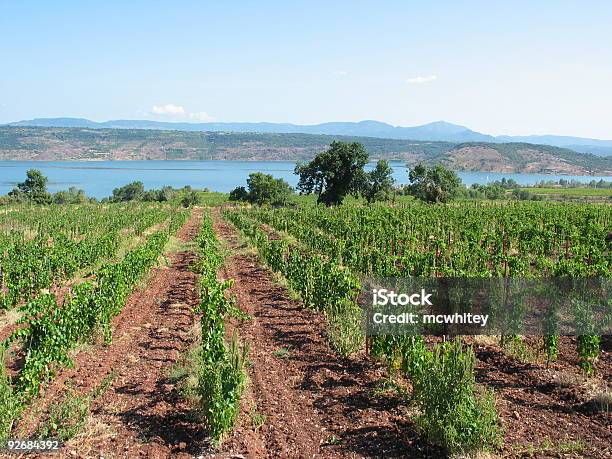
(334, 173)
(265, 189)
(238, 194)
(130, 192)
(507, 184)
(33, 189)
(492, 191)
(378, 185)
(435, 184)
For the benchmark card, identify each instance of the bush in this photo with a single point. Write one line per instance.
(9, 404)
(344, 327)
(220, 384)
(263, 189)
(239, 194)
(489, 191)
(190, 199)
(524, 195)
(131, 192)
(455, 415)
(72, 196)
(221, 376)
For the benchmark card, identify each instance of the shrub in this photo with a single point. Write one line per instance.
(72, 196)
(221, 376)
(239, 194)
(220, 384)
(131, 192)
(455, 414)
(190, 199)
(9, 404)
(344, 327)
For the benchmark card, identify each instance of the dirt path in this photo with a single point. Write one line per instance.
(309, 401)
(141, 414)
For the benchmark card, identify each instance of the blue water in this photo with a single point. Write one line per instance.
(98, 179)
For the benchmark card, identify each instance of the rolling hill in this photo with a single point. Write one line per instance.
(89, 144)
(436, 131)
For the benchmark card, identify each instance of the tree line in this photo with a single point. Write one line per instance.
(333, 174)
(340, 171)
(33, 190)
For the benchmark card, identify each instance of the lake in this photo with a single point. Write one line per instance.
(98, 179)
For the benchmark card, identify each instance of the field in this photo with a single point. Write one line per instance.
(571, 191)
(235, 331)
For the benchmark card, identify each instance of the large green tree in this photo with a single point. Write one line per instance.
(379, 183)
(433, 184)
(334, 173)
(263, 189)
(32, 189)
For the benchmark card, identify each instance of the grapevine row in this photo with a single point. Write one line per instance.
(221, 375)
(58, 250)
(456, 414)
(48, 330)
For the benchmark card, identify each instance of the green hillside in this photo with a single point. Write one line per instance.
(86, 144)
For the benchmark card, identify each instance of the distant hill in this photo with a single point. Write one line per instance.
(89, 144)
(86, 144)
(524, 157)
(583, 145)
(437, 131)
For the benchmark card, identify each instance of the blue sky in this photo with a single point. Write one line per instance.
(518, 67)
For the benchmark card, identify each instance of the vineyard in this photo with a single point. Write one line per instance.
(40, 249)
(522, 240)
(131, 329)
(325, 253)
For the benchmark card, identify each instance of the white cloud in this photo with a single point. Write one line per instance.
(178, 112)
(201, 116)
(169, 109)
(422, 79)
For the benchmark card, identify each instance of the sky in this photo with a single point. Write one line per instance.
(515, 68)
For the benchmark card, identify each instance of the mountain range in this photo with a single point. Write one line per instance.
(436, 131)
